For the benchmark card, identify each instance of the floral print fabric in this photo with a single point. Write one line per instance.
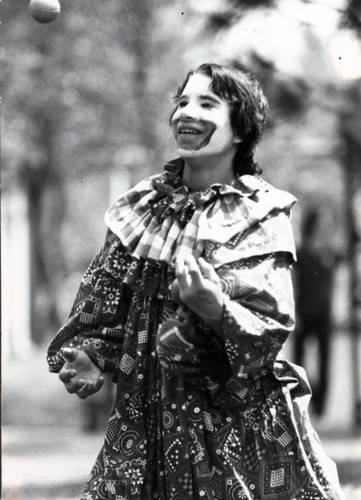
(198, 415)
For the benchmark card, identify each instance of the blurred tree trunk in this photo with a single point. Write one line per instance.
(42, 181)
(140, 44)
(45, 222)
(44, 316)
(350, 129)
(136, 36)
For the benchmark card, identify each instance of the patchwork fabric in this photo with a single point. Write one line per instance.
(161, 218)
(197, 415)
(277, 479)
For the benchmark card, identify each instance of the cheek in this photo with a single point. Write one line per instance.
(172, 124)
(223, 135)
(172, 117)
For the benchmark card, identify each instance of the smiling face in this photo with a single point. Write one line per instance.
(201, 122)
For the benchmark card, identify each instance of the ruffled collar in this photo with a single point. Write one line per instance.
(161, 218)
(176, 199)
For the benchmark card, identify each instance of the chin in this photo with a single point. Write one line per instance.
(190, 153)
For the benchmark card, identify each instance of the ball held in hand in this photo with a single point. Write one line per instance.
(44, 11)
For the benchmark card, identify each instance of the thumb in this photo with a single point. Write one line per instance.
(99, 383)
(70, 354)
(207, 270)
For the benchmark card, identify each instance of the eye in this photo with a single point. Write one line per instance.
(207, 105)
(182, 104)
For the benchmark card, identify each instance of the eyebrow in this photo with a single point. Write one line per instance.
(203, 97)
(210, 98)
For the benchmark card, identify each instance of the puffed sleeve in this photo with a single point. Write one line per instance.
(258, 313)
(97, 320)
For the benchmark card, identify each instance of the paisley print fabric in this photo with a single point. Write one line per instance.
(198, 415)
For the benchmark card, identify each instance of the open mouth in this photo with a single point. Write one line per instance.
(190, 131)
(193, 137)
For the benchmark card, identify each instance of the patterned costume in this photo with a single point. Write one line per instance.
(198, 415)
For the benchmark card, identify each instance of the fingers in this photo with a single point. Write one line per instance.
(181, 272)
(190, 272)
(81, 387)
(74, 387)
(84, 390)
(88, 388)
(70, 354)
(193, 270)
(207, 270)
(66, 375)
(187, 271)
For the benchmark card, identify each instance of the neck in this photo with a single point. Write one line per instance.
(200, 173)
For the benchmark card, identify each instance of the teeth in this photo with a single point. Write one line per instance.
(189, 131)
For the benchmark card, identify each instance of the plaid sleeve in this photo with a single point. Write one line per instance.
(258, 314)
(96, 321)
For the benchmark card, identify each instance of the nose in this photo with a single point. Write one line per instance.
(188, 112)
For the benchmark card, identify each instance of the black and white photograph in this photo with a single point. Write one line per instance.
(181, 250)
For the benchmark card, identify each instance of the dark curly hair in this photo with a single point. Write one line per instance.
(248, 109)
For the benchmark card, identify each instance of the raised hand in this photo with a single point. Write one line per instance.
(79, 374)
(198, 286)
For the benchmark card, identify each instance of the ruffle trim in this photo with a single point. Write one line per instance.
(161, 218)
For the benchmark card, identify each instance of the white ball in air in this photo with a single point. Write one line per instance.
(44, 11)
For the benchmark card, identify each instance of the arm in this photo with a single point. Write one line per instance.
(250, 305)
(258, 313)
(95, 326)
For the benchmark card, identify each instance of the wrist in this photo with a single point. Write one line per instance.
(214, 318)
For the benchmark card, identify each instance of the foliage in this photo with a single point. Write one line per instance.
(58, 73)
(88, 94)
(350, 13)
(351, 16)
(74, 90)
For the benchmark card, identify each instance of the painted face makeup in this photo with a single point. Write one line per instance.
(201, 123)
(192, 138)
